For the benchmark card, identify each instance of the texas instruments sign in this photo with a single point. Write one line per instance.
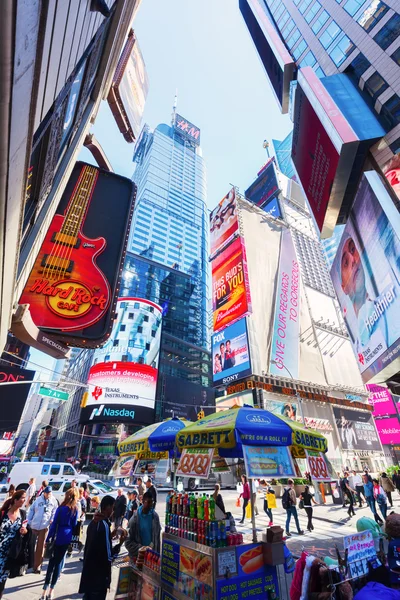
(13, 397)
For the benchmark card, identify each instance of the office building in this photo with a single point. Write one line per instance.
(283, 151)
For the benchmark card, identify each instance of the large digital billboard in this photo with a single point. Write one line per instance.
(72, 288)
(231, 295)
(123, 379)
(356, 429)
(224, 224)
(388, 430)
(13, 397)
(231, 353)
(366, 277)
(265, 187)
(392, 173)
(381, 399)
(182, 398)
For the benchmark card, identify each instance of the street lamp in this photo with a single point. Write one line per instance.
(297, 393)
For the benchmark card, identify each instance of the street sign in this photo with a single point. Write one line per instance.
(57, 394)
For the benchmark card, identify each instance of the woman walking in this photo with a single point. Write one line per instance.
(12, 523)
(245, 495)
(380, 498)
(267, 490)
(308, 499)
(388, 486)
(369, 496)
(61, 531)
(218, 498)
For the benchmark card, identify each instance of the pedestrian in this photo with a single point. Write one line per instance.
(44, 485)
(289, 502)
(141, 488)
(245, 495)
(12, 523)
(60, 534)
(388, 487)
(380, 497)
(144, 527)
(120, 508)
(30, 493)
(348, 493)
(40, 517)
(356, 484)
(369, 496)
(81, 518)
(366, 473)
(95, 503)
(308, 500)
(255, 503)
(267, 489)
(218, 498)
(150, 488)
(96, 572)
(11, 491)
(396, 480)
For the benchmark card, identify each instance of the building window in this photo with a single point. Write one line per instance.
(396, 56)
(146, 318)
(391, 110)
(372, 14)
(319, 72)
(341, 50)
(312, 12)
(375, 86)
(148, 346)
(293, 39)
(140, 329)
(352, 6)
(131, 343)
(320, 22)
(124, 358)
(122, 327)
(282, 21)
(300, 49)
(288, 28)
(130, 316)
(116, 343)
(357, 67)
(304, 5)
(330, 34)
(389, 32)
(309, 60)
(107, 358)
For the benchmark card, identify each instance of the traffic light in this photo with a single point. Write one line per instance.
(84, 399)
(200, 415)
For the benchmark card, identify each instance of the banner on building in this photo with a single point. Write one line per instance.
(225, 402)
(72, 288)
(388, 430)
(286, 333)
(287, 409)
(356, 429)
(187, 130)
(231, 291)
(265, 187)
(224, 223)
(366, 277)
(13, 397)
(381, 399)
(231, 353)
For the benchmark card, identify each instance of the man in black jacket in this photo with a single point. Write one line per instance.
(96, 572)
(120, 508)
(150, 488)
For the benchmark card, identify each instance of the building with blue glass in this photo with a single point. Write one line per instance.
(282, 151)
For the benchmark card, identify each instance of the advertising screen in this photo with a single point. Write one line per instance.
(273, 208)
(381, 399)
(265, 187)
(285, 340)
(13, 397)
(73, 286)
(123, 379)
(356, 429)
(231, 296)
(388, 430)
(224, 224)
(182, 398)
(225, 402)
(366, 277)
(392, 173)
(133, 89)
(231, 353)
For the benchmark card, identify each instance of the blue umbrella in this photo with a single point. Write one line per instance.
(158, 437)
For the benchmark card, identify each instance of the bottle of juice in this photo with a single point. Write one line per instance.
(200, 507)
(211, 507)
(206, 511)
(179, 507)
(173, 504)
(185, 505)
(192, 507)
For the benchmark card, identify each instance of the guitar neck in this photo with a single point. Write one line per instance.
(79, 203)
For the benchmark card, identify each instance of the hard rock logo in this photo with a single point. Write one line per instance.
(70, 299)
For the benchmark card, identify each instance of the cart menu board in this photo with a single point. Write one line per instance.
(187, 570)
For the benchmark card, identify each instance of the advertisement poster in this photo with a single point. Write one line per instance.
(185, 570)
(195, 463)
(230, 287)
(220, 465)
(12, 410)
(231, 353)
(388, 430)
(392, 173)
(285, 340)
(268, 461)
(366, 277)
(273, 208)
(123, 467)
(240, 399)
(224, 224)
(133, 89)
(317, 466)
(361, 549)
(265, 187)
(381, 399)
(356, 429)
(287, 409)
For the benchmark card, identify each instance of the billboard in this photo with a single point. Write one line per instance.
(182, 398)
(356, 429)
(231, 295)
(226, 402)
(128, 93)
(224, 224)
(392, 173)
(72, 288)
(231, 353)
(13, 397)
(388, 430)
(187, 130)
(366, 277)
(381, 399)
(123, 379)
(273, 208)
(284, 358)
(265, 187)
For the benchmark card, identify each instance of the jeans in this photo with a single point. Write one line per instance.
(309, 512)
(360, 492)
(292, 511)
(2, 586)
(351, 502)
(372, 505)
(389, 495)
(268, 511)
(96, 595)
(54, 566)
(245, 503)
(383, 509)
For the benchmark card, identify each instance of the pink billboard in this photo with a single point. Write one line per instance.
(381, 399)
(388, 430)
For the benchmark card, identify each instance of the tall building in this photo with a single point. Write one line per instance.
(283, 151)
(171, 219)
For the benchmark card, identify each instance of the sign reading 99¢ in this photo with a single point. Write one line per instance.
(317, 466)
(195, 463)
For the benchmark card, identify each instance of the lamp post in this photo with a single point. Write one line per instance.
(297, 393)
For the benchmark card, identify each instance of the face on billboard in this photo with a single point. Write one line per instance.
(314, 156)
(381, 399)
(388, 430)
(230, 353)
(224, 223)
(230, 285)
(265, 186)
(123, 380)
(286, 409)
(366, 277)
(72, 286)
(392, 173)
(133, 89)
(356, 429)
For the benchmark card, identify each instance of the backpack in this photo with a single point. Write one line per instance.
(286, 499)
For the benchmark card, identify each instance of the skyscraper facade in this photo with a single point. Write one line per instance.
(283, 151)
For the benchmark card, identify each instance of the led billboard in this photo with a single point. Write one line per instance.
(231, 296)
(231, 353)
(392, 173)
(273, 208)
(356, 429)
(182, 398)
(72, 288)
(265, 187)
(123, 379)
(224, 224)
(381, 399)
(366, 277)
(13, 397)
(388, 430)
(187, 130)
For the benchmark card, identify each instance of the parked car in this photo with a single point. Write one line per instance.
(21, 473)
(96, 487)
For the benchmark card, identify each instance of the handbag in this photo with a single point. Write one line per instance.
(238, 503)
(49, 549)
(301, 503)
(271, 500)
(248, 511)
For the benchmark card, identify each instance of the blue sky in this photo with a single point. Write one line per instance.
(202, 49)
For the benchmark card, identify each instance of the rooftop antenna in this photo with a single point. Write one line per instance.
(174, 107)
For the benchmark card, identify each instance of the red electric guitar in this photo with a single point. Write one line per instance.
(66, 290)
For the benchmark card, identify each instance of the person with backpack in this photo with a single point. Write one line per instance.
(289, 502)
(12, 524)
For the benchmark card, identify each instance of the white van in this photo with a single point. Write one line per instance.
(21, 473)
